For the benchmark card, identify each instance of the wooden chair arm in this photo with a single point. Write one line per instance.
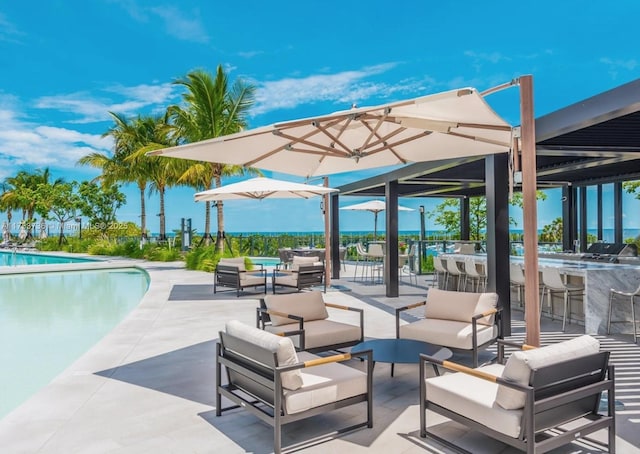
(280, 314)
(344, 308)
(410, 306)
(502, 343)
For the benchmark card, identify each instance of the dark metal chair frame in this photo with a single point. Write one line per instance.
(556, 395)
(263, 319)
(308, 276)
(229, 276)
(254, 383)
(475, 347)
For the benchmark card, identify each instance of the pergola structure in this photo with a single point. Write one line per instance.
(590, 143)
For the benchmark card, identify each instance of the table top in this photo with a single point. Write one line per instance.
(405, 351)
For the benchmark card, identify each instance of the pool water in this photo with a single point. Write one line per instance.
(265, 261)
(48, 320)
(10, 258)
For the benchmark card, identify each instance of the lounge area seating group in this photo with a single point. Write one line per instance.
(297, 363)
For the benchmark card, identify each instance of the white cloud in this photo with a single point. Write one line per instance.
(91, 110)
(479, 58)
(184, 26)
(8, 31)
(342, 88)
(180, 26)
(24, 144)
(617, 65)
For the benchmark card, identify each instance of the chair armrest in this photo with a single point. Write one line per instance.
(297, 318)
(424, 359)
(502, 343)
(328, 359)
(354, 309)
(404, 308)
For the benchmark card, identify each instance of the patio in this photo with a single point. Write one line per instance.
(149, 385)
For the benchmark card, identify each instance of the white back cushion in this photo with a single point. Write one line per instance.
(520, 363)
(308, 305)
(459, 306)
(298, 260)
(282, 346)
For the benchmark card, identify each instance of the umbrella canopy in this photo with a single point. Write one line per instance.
(43, 229)
(446, 125)
(262, 188)
(375, 206)
(22, 234)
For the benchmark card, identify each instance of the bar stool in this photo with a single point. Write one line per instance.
(440, 271)
(516, 277)
(632, 297)
(478, 278)
(553, 283)
(454, 270)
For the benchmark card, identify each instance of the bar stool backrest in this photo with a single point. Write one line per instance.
(516, 274)
(437, 264)
(551, 278)
(452, 267)
(376, 250)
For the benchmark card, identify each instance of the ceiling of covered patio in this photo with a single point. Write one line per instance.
(594, 141)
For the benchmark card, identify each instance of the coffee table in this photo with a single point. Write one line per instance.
(404, 351)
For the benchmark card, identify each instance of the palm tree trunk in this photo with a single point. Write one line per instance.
(163, 230)
(219, 206)
(143, 211)
(207, 223)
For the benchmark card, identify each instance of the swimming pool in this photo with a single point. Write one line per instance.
(48, 320)
(265, 261)
(10, 258)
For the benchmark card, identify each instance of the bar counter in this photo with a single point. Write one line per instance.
(598, 279)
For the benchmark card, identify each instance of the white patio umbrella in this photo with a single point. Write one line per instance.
(6, 235)
(455, 123)
(22, 234)
(374, 206)
(43, 229)
(263, 188)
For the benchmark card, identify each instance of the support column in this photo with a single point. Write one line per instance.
(498, 251)
(583, 218)
(617, 213)
(391, 255)
(335, 236)
(568, 203)
(600, 234)
(530, 211)
(464, 218)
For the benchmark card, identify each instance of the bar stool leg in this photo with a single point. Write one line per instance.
(633, 318)
(564, 309)
(610, 309)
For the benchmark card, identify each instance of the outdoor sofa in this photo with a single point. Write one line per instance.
(460, 321)
(266, 376)
(304, 318)
(231, 272)
(528, 402)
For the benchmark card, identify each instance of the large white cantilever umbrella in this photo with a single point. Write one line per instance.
(263, 188)
(374, 206)
(455, 123)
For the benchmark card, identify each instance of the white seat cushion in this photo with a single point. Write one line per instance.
(318, 333)
(282, 346)
(250, 279)
(324, 384)
(309, 305)
(447, 333)
(289, 279)
(521, 363)
(475, 398)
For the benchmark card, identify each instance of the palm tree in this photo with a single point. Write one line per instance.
(115, 169)
(212, 109)
(154, 133)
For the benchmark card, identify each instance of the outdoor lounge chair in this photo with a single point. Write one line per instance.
(231, 272)
(460, 321)
(304, 318)
(267, 377)
(305, 272)
(529, 402)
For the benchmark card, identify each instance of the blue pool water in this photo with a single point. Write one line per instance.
(9, 258)
(48, 320)
(265, 261)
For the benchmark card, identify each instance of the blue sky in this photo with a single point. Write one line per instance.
(66, 63)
